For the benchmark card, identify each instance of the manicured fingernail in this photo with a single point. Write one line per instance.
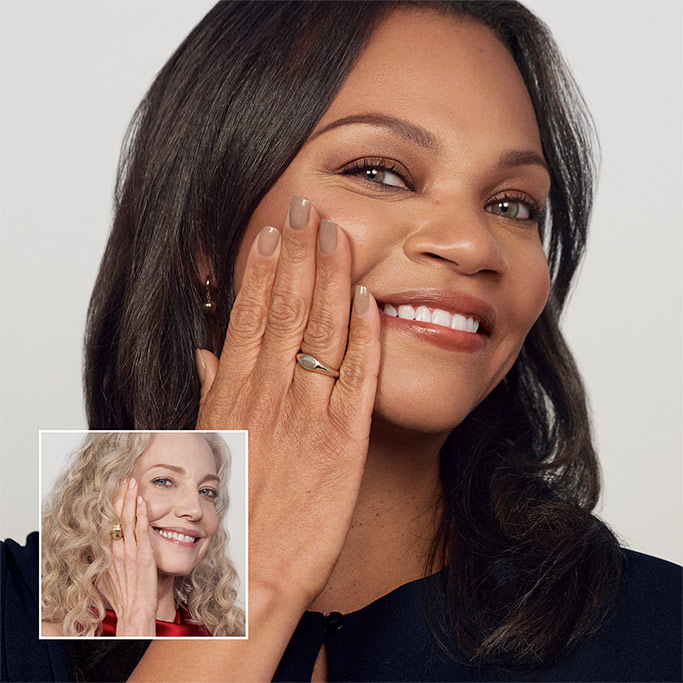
(201, 368)
(299, 211)
(131, 483)
(267, 240)
(140, 501)
(360, 300)
(327, 237)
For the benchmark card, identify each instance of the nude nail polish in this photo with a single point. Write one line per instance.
(361, 299)
(327, 237)
(299, 210)
(267, 240)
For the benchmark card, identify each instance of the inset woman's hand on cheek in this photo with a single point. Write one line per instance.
(130, 584)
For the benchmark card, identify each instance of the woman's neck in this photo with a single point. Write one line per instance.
(166, 609)
(394, 523)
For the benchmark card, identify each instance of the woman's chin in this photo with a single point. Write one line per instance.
(421, 414)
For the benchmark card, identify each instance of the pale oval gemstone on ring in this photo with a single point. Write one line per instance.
(309, 362)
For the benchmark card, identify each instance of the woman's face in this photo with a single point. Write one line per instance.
(177, 479)
(430, 159)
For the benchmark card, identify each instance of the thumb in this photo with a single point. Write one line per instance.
(207, 366)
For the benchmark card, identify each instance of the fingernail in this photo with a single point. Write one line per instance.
(201, 368)
(140, 501)
(360, 300)
(299, 211)
(327, 237)
(267, 240)
(131, 483)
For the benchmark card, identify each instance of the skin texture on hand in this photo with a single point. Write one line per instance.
(130, 584)
(308, 434)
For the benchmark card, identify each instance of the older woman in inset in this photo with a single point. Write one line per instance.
(133, 542)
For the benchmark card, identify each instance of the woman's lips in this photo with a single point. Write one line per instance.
(453, 321)
(443, 337)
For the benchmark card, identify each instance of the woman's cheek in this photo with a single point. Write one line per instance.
(212, 522)
(150, 503)
(538, 287)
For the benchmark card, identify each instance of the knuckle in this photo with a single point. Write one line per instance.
(353, 374)
(361, 337)
(287, 312)
(322, 331)
(258, 277)
(246, 319)
(326, 277)
(295, 249)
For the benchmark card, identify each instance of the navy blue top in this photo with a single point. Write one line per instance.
(389, 640)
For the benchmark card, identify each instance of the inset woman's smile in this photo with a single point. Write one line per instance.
(182, 538)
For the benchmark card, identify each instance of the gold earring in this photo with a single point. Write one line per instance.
(208, 304)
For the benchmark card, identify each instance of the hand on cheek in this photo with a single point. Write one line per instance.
(308, 431)
(130, 583)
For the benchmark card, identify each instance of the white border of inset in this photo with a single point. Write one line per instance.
(243, 569)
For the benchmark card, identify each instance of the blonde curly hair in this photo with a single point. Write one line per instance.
(76, 546)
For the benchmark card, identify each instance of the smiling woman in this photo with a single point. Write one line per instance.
(132, 539)
(351, 228)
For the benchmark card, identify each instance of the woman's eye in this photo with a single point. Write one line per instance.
(516, 209)
(211, 494)
(383, 177)
(163, 482)
(380, 172)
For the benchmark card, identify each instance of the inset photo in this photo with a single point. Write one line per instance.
(143, 534)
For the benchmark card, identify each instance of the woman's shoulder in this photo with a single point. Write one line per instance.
(23, 657)
(641, 638)
(652, 596)
(19, 568)
(651, 600)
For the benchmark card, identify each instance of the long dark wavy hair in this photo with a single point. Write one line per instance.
(528, 569)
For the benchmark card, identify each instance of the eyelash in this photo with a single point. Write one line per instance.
(210, 493)
(362, 166)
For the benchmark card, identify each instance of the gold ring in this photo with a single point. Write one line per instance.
(116, 532)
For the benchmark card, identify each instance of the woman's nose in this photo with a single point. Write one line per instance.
(189, 505)
(459, 235)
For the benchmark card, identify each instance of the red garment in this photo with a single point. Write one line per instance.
(178, 627)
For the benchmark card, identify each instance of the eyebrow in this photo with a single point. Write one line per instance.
(183, 471)
(420, 136)
(404, 129)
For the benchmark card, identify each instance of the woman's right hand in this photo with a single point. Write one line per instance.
(130, 583)
(308, 433)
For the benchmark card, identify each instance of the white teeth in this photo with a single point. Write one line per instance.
(459, 322)
(438, 316)
(423, 314)
(175, 536)
(407, 312)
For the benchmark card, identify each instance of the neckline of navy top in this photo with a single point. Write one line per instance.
(389, 639)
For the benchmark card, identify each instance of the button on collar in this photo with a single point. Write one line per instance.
(333, 621)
